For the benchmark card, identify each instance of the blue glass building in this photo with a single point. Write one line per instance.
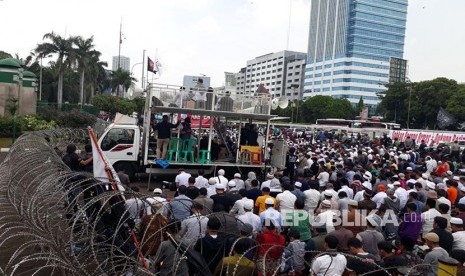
(350, 45)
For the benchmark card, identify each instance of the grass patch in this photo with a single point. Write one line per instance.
(5, 142)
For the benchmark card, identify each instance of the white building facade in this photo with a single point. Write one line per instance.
(271, 70)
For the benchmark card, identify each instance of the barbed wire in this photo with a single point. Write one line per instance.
(54, 221)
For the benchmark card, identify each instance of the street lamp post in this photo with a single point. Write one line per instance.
(294, 88)
(134, 65)
(407, 80)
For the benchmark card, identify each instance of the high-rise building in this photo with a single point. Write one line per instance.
(397, 70)
(240, 81)
(125, 63)
(351, 43)
(276, 71)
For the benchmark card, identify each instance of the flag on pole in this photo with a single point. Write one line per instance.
(445, 119)
(151, 66)
(103, 170)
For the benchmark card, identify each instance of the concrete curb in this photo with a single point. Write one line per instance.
(4, 149)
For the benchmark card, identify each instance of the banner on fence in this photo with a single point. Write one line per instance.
(430, 137)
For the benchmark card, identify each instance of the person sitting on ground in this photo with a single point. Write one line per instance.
(294, 253)
(204, 200)
(237, 264)
(437, 252)
(169, 260)
(270, 249)
(212, 247)
(330, 263)
(362, 262)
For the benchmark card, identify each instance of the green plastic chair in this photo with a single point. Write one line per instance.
(188, 150)
(204, 157)
(173, 148)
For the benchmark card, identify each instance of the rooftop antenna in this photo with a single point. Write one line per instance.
(289, 25)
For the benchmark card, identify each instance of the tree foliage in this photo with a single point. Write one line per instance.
(113, 104)
(425, 98)
(320, 107)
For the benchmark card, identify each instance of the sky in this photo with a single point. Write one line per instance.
(210, 37)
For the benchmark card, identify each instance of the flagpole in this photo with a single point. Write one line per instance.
(115, 189)
(120, 41)
(143, 69)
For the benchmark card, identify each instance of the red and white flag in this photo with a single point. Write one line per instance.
(103, 170)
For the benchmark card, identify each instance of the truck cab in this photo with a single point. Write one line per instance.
(121, 144)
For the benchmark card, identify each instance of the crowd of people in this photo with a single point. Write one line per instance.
(343, 205)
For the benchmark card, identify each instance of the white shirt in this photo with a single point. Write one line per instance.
(252, 219)
(266, 184)
(211, 190)
(427, 218)
(312, 198)
(379, 198)
(442, 200)
(271, 214)
(325, 219)
(239, 184)
(135, 206)
(182, 179)
(349, 191)
(193, 228)
(329, 265)
(402, 195)
(359, 196)
(323, 178)
(156, 199)
(459, 240)
(238, 207)
(201, 182)
(223, 180)
(286, 201)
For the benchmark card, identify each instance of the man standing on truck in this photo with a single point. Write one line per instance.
(164, 135)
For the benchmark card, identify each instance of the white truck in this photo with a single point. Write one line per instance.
(131, 147)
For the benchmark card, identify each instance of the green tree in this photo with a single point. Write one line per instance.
(121, 78)
(456, 104)
(4, 55)
(63, 48)
(113, 104)
(394, 102)
(97, 74)
(360, 106)
(319, 107)
(84, 53)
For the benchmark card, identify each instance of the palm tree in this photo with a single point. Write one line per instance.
(96, 71)
(63, 47)
(84, 52)
(123, 78)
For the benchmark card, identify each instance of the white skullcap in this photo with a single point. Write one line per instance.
(221, 172)
(212, 181)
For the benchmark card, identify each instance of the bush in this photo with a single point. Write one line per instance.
(34, 122)
(6, 127)
(75, 119)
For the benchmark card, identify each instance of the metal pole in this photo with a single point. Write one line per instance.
(143, 69)
(409, 100)
(119, 46)
(40, 81)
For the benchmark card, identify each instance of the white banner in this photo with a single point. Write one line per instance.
(430, 137)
